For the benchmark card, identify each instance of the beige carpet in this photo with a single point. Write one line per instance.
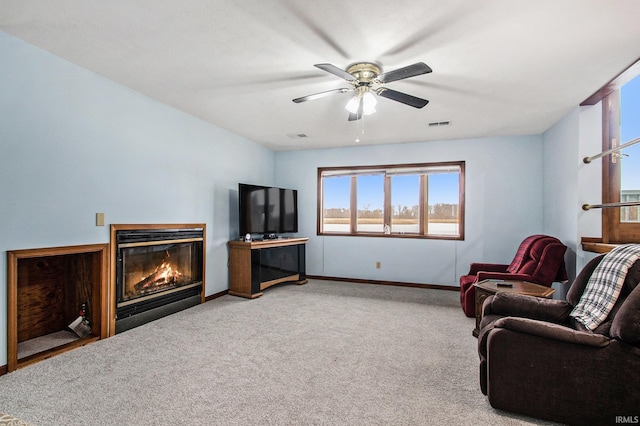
(325, 353)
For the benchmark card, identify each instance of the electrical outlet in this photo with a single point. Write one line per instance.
(99, 219)
(378, 265)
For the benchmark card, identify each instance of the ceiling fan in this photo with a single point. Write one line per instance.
(367, 78)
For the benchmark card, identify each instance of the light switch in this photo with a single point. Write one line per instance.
(99, 219)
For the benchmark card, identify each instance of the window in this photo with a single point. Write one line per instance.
(405, 202)
(630, 156)
(370, 203)
(408, 200)
(621, 169)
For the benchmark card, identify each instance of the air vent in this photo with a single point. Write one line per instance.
(296, 135)
(439, 123)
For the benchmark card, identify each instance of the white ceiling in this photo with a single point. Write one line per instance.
(500, 67)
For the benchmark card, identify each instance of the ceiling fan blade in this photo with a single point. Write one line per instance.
(358, 114)
(405, 72)
(321, 94)
(335, 71)
(402, 97)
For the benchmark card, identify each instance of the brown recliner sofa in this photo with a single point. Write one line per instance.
(536, 360)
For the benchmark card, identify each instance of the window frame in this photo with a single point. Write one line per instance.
(354, 171)
(614, 231)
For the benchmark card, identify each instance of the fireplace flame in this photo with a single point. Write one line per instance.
(167, 273)
(163, 276)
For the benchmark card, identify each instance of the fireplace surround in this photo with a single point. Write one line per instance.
(156, 270)
(145, 273)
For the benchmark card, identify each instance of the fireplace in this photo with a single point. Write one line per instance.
(159, 270)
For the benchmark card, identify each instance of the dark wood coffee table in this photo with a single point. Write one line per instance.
(486, 288)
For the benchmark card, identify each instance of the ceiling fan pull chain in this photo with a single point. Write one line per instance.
(359, 128)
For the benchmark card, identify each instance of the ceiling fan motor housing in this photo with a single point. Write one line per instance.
(364, 72)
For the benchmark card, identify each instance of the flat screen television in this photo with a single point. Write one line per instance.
(267, 210)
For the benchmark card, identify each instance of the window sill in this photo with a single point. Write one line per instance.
(595, 245)
(382, 235)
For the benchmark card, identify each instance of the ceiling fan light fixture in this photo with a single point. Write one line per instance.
(368, 103)
(353, 104)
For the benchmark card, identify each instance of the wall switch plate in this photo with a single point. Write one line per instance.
(99, 219)
(378, 265)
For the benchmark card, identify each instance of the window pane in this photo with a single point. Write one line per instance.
(405, 200)
(630, 160)
(336, 202)
(443, 193)
(370, 196)
(392, 200)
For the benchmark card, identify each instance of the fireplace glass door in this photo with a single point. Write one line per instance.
(158, 271)
(158, 268)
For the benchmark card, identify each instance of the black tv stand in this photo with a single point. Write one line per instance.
(257, 265)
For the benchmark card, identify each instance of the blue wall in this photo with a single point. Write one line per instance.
(504, 194)
(569, 182)
(73, 144)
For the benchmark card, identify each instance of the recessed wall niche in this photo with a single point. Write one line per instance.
(46, 290)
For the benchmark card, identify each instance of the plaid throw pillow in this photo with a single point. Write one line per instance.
(604, 286)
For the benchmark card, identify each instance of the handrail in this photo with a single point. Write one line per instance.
(587, 160)
(602, 206)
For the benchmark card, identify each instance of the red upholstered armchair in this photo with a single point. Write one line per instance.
(539, 259)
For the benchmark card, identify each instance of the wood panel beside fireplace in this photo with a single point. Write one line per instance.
(46, 290)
